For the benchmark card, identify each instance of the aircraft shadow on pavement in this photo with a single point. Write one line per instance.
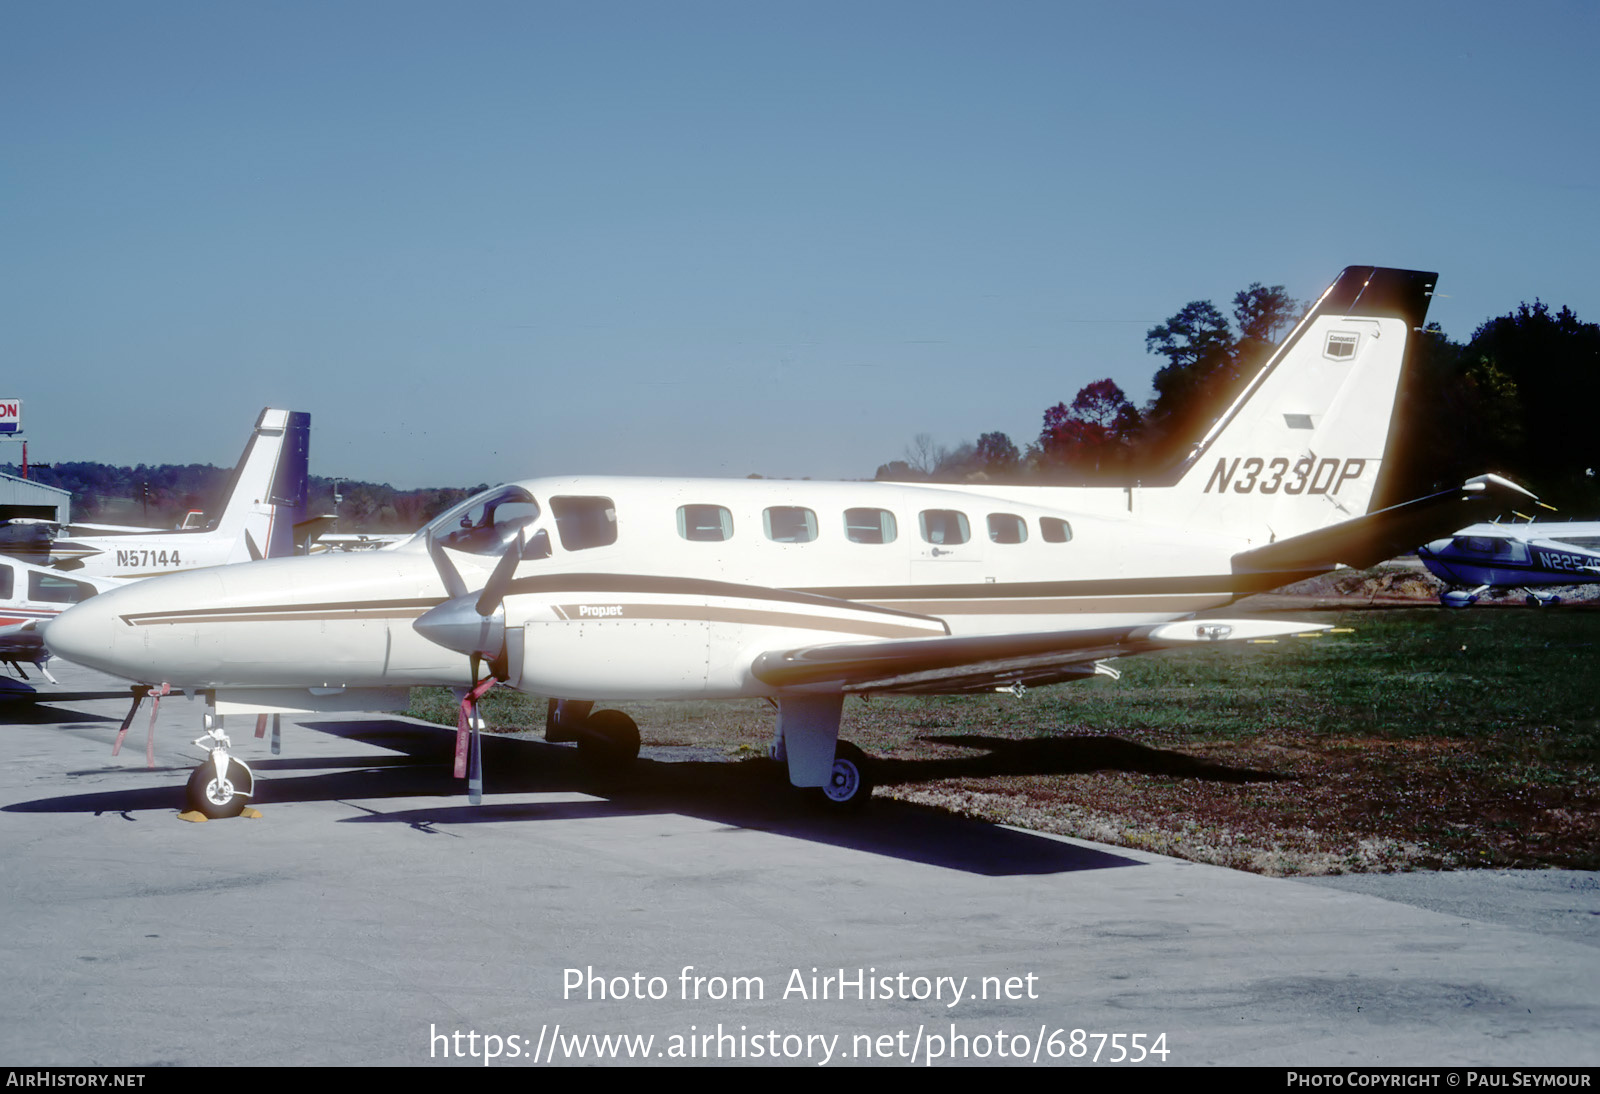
(1061, 756)
(39, 714)
(750, 795)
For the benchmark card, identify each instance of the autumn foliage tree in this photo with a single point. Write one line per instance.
(1090, 439)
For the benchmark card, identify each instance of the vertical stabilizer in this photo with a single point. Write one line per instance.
(267, 494)
(1303, 445)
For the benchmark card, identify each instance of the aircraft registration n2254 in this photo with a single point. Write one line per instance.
(587, 588)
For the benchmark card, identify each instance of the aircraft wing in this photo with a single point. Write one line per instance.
(1368, 540)
(965, 663)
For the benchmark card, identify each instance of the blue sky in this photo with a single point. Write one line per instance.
(485, 241)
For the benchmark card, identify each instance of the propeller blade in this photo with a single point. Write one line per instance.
(475, 768)
(500, 580)
(453, 585)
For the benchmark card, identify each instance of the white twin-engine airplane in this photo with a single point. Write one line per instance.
(265, 498)
(589, 589)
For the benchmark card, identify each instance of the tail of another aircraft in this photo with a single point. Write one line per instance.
(267, 494)
(1302, 446)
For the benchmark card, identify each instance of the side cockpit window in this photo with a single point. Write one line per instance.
(1493, 547)
(487, 523)
(52, 589)
(584, 522)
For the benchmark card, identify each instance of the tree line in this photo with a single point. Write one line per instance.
(160, 495)
(1518, 398)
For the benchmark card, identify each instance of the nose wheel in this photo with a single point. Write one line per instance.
(221, 786)
(219, 796)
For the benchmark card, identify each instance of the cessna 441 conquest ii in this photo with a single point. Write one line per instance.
(586, 589)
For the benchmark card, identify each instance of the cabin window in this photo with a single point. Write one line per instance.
(789, 524)
(585, 522)
(945, 526)
(6, 583)
(52, 589)
(870, 526)
(1007, 528)
(1054, 530)
(705, 523)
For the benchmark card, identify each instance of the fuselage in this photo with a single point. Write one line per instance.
(633, 587)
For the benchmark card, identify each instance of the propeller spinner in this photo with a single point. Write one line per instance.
(468, 623)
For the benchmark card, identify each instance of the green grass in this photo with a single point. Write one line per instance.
(1426, 738)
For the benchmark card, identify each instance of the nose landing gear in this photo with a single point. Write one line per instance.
(219, 787)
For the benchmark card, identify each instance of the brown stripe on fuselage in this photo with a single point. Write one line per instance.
(288, 613)
(755, 617)
(1067, 605)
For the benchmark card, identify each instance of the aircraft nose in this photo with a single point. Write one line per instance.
(84, 634)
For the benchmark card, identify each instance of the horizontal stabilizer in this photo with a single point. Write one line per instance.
(1368, 540)
(312, 529)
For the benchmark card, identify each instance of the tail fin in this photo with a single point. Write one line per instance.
(1303, 445)
(267, 494)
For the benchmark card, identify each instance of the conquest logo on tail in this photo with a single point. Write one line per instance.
(1307, 475)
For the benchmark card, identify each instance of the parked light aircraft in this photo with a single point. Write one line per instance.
(1530, 556)
(265, 499)
(31, 596)
(590, 589)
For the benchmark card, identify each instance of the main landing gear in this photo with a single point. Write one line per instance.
(1463, 598)
(806, 740)
(850, 784)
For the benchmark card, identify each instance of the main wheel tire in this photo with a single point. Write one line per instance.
(609, 738)
(219, 798)
(849, 786)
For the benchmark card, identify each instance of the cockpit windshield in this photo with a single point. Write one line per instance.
(486, 523)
